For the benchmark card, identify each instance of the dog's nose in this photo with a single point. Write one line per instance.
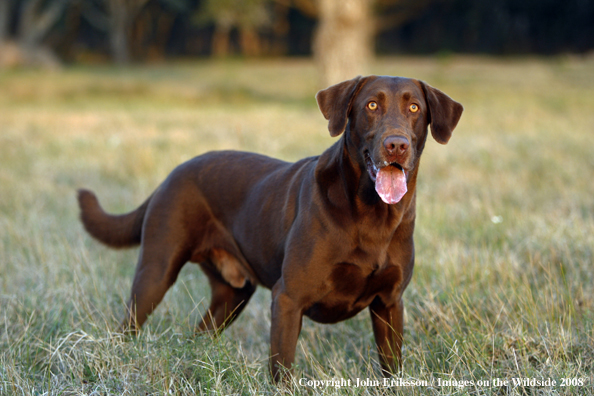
(396, 145)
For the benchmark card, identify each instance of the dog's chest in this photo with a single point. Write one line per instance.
(351, 289)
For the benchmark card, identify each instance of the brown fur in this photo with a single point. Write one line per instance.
(315, 232)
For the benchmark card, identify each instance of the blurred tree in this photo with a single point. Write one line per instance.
(116, 18)
(248, 16)
(32, 20)
(392, 14)
(253, 16)
(4, 20)
(153, 28)
(496, 27)
(280, 28)
(344, 41)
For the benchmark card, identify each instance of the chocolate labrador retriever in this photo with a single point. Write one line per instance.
(329, 235)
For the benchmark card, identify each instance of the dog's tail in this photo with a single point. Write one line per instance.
(117, 231)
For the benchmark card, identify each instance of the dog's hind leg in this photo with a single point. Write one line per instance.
(157, 269)
(226, 303)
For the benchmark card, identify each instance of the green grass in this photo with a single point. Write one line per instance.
(503, 285)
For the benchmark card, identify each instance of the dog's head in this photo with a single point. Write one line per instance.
(386, 119)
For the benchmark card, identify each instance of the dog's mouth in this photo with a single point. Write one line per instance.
(389, 178)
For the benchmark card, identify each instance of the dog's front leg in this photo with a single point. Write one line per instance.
(284, 331)
(388, 327)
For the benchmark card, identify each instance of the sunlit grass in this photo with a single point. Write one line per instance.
(503, 285)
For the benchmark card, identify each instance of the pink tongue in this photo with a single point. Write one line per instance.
(390, 184)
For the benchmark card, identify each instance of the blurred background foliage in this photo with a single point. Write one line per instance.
(343, 35)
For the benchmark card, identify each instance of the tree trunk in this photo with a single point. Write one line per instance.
(249, 41)
(220, 40)
(280, 29)
(122, 14)
(163, 32)
(119, 31)
(120, 50)
(343, 42)
(35, 20)
(5, 13)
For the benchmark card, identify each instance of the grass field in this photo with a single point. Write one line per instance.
(504, 279)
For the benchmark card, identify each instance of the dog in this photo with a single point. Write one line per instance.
(330, 235)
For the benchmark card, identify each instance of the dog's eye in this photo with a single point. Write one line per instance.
(372, 105)
(413, 108)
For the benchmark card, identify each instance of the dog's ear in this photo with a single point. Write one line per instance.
(444, 113)
(335, 103)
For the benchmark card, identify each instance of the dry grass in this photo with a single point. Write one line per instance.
(503, 286)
